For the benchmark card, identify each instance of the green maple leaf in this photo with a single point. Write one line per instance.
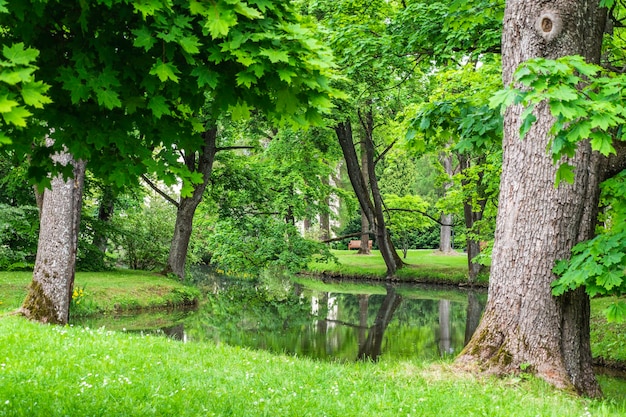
(246, 78)
(565, 172)
(159, 106)
(616, 312)
(18, 55)
(274, 55)
(6, 104)
(205, 77)
(33, 94)
(240, 111)
(602, 142)
(5, 140)
(190, 44)
(143, 38)
(248, 12)
(165, 71)
(17, 116)
(108, 98)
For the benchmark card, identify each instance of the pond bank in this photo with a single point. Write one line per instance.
(107, 292)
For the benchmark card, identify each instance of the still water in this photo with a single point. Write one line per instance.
(341, 321)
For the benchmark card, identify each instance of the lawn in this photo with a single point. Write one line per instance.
(422, 265)
(106, 292)
(58, 371)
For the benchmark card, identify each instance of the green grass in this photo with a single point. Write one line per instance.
(106, 292)
(57, 371)
(423, 265)
(608, 340)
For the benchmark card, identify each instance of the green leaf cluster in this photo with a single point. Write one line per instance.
(18, 89)
(586, 101)
(599, 264)
(133, 82)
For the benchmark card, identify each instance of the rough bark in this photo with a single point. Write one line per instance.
(537, 224)
(201, 162)
(50, 292)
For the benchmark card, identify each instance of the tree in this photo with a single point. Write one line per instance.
(524, 326)
(406, 217)
(50, 291)
(128, 80)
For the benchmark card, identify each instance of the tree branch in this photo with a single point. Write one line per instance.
(336, 239)
(159, 191)
(420, 212)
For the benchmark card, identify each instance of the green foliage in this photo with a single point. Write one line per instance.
(253, 244)
(599, 264)
(144, 234)
(19, 92)
(19, 231)
(129, 79)
(406, 217)
(586, 101)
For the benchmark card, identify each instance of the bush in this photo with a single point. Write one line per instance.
(19, 232)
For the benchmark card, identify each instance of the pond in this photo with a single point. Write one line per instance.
(329, 321)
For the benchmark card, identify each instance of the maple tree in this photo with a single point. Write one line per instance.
(132, 83)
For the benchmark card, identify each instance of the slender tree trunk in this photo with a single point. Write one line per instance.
(325, 214)
(537, 224)
(365, 224)
(371, 203)
(445, 231)
(187, 205)
(50, 292)
(105, 213)
(472, 215)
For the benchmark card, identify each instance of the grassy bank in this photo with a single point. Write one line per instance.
(58, 371)
(422, 266)
(106, 292)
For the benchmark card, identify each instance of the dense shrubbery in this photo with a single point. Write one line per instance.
(19, 230)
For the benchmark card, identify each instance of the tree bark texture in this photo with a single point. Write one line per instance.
(523, 324)
(201, 162)
(50, 292)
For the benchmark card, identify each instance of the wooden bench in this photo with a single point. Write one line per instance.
(356, 244)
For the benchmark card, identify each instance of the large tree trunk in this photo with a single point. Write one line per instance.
(537, 224)
(365, 224)
(202, 163)
(50, 292)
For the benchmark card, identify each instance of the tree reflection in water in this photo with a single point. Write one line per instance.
(338, 323)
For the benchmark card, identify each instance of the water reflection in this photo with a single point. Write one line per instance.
(326, 321)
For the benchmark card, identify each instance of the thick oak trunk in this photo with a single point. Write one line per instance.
(523, 324)
(50, 292)
(187, 205)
